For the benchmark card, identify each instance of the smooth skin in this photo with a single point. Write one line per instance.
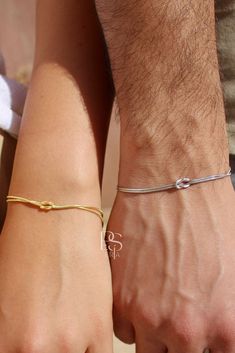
(55, 281)
(174, 281)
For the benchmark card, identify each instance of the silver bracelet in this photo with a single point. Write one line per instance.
(182, 183)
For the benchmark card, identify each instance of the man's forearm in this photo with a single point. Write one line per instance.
(168, 89)
(172, 282)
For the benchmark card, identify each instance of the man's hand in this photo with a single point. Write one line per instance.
(174, 280)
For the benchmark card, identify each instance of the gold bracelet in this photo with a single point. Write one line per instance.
(48, 205)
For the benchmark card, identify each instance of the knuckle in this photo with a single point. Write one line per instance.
(185, 329)
(226, 329)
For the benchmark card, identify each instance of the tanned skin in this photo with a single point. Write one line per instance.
(173, 283)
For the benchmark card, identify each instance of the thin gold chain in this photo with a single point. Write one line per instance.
(49, 205)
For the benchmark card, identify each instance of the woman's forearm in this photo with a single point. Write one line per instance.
(63, 133)
(50, 262)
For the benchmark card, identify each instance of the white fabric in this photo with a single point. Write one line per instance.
(12, 99)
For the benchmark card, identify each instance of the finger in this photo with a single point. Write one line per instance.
(123, 328)
(183, 335)
(221, 333)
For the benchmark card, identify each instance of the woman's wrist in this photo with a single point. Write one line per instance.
(72, 223)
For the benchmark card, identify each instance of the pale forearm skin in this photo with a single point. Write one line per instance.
(60, 150)
(51, 263)
(56, 151)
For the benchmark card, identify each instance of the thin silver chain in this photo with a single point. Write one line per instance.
(182, 183)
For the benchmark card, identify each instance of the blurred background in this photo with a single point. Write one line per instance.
(16, 45)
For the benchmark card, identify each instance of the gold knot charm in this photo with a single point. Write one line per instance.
(46, 205)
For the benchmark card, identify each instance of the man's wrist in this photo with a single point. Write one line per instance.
(151, 166)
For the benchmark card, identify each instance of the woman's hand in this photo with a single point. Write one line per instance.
(55, 283)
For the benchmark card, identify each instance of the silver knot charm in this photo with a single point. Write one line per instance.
(182, 183)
